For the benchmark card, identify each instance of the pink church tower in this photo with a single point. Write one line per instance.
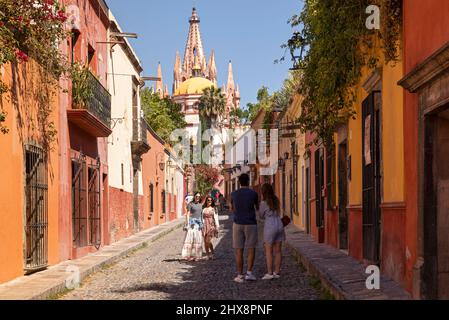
(193, 74)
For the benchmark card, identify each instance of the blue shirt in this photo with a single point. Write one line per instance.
(244, 201)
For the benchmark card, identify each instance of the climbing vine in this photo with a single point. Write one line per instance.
(32, 30)
(338, 46)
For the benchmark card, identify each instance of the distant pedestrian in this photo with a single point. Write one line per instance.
(210, 226)
(193, 244)
(244, 203)
(273, 233)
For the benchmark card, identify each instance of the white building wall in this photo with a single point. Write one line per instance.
(120, 84)
(180, 193)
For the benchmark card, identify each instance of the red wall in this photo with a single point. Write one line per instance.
(93, 25)
(331, 223)
(425, 31)
(355, 237)
(393, 243)
(121, 223)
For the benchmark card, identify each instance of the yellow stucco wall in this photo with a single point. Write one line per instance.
(392, 133)
(355, 148)
(291, 114)
(392, 141)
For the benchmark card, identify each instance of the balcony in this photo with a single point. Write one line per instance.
(95, 116)
(139, 145)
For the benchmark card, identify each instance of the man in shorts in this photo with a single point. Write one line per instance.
(244, 203)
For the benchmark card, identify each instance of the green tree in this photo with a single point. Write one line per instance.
(281, 98)
(163, 115)
(212, 104)
(264, 101)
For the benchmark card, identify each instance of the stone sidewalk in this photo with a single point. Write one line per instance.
(342, 275)
(52, 281)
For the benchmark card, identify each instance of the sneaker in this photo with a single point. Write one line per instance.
(239, 279)
(268, 277)
(250, 277)
(276, 275)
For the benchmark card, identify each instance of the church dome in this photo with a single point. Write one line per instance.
(193, 86)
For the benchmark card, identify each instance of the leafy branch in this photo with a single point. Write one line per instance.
(339, 47)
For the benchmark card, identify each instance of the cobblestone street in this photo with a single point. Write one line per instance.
(158, 273)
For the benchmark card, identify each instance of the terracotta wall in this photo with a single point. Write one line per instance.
(121, 214)
(93, 24)
(151, 174)
(23, 126)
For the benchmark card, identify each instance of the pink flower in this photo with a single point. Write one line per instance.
(21, 56)
(61, 16)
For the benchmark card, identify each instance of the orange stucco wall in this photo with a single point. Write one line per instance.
(23, 128)
(151, 174)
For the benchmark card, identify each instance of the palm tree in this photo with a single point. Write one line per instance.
(211, 105)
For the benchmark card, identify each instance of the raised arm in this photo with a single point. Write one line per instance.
(188, 214)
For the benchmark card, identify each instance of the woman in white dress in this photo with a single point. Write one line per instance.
(192, 249)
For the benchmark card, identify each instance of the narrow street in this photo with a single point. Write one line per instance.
(158, 273)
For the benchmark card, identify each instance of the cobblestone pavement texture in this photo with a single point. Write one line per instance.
(158, 273)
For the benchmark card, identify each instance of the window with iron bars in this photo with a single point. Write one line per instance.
(86, 213)
(36, 195)
(151, 198)
(330, 178)
(163, 201)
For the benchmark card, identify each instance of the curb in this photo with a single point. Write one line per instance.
(312, 271)
(52, 282)
(340, 274)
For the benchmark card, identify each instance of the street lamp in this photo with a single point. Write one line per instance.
(161, 162)
(296, 42)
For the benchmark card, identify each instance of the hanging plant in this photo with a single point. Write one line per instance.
(33, 29)
(391, 28)
(81, 88)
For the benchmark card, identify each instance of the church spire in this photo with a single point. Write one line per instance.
(231, 84)
(212, 68)
(177, 78)
(159, 83)
(194, 47)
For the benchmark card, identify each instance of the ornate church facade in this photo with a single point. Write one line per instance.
(193, 74)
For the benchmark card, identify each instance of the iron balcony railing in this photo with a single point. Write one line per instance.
(139, 145)
(143, 128)
(99, 103)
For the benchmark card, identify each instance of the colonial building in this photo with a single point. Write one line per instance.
(83, 136)
(192, 75)
(355, 187)
(128, 142)
(289, 180)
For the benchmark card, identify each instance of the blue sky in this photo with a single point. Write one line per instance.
(248, 32)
